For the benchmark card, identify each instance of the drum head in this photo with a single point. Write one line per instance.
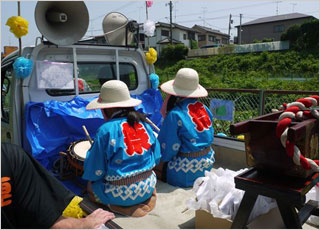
(81, 148)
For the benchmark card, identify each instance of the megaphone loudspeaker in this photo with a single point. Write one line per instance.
(62, 23)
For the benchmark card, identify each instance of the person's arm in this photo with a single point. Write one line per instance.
(95, 162)
(94, 220)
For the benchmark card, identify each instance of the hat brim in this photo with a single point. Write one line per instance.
(94, 104)
(169, 88)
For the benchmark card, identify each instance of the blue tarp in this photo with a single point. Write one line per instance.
(52, 126)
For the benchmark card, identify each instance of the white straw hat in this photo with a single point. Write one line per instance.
(113, 94)
(185, 84)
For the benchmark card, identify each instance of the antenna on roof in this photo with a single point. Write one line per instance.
(293, 4)
(277, 11)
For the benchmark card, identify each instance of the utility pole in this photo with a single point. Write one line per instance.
(170, 5)
(230, 22)
(240, 29)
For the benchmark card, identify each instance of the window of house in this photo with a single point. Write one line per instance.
(218, 41)
(278, 28)
(91, 77)
(191, 36)
(6, 80)
(165, 33)
(201, 37)
(184, 36)
(211, 38)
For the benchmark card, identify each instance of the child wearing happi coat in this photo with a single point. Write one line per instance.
(119, 164)
(186, 134)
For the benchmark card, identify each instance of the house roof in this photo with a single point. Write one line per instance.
(175, 25)
(282, 17)
(207, 29)
(167, 40)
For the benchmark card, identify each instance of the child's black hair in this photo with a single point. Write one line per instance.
(173, 100)
(131, 114)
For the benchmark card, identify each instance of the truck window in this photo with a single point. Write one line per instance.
(91, 77)
(6, 79)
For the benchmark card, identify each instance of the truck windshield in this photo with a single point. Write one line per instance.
(91, 77)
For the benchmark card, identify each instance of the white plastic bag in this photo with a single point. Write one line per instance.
(216, 193)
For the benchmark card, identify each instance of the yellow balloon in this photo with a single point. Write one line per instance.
(18, 26)
(151, 56)
(153, 52)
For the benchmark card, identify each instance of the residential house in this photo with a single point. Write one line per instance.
(268, 27)
(180, 34)
(208, 36)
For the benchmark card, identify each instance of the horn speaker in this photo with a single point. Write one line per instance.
(114, 26)
(62, 22)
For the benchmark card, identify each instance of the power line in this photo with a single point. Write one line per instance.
(221, 17)
(117, 9)
(233, 8)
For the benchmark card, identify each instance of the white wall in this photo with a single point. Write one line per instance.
(176, 34)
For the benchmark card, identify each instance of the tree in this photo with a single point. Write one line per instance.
(304, 36)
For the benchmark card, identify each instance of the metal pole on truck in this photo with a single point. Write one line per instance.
(170, 5)
(19, 38)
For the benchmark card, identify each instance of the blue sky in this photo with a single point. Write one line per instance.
(213, 14)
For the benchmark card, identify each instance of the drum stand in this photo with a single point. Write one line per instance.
(66, 173)
(63, 161)
(289, 192)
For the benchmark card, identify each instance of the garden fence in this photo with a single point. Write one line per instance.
(250, 103)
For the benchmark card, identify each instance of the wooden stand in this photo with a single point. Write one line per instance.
(289, 193)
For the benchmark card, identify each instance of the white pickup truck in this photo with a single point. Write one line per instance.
(92, 65)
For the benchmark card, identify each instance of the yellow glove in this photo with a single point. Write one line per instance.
(73, 209)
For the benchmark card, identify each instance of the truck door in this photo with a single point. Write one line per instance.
(6, 104)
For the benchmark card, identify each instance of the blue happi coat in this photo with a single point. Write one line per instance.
(120, 151)
(187, 128)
